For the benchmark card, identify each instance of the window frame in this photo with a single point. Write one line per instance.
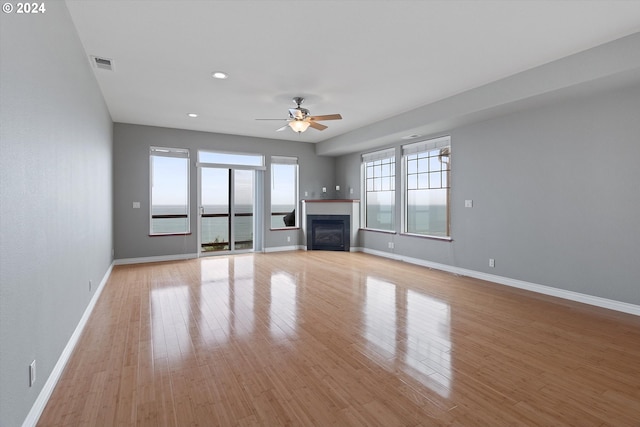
(177, 153)
(373, 157)
(420, 147)
(231, 160)
(286, 160)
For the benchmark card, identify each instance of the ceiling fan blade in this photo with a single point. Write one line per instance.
(326, 117)
(317, 126)
(282, 128)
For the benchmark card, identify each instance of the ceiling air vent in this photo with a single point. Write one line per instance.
(102, 63)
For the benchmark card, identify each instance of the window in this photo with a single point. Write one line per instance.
(284, 192)
(214, 158)
(379, 170)
(169, 190)
(427, 170)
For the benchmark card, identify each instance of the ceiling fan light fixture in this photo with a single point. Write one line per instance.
(300, 119)
(299, 125)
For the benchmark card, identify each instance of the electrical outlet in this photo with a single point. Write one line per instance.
(32, 373)
(391, 245)
(468, 203)
(288, 238)
(492, 262)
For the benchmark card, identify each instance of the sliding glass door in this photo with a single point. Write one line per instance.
(226, 209)
(243, 210)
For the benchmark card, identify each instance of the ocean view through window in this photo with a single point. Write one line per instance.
(284, 192)
(379, 176)
(427, 184)
(169, 190)
(227, 194)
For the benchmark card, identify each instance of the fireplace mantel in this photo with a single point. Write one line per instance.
(349, 207)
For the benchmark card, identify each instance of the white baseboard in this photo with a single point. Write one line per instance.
(521, 284)
(41, 401)
(282, 248)
(161, 258)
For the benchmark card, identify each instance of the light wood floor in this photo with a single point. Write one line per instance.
(347, 339)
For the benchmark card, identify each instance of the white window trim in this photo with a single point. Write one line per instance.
(169, 152)
(429, 144)
(379, 155)
(229, 166)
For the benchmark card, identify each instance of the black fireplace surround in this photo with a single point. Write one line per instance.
(328, 232)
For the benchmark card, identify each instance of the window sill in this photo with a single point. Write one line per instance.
(425, 236)
(284, 228)
(375, 230)
(169, 234)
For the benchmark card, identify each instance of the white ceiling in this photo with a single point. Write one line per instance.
(367, 60)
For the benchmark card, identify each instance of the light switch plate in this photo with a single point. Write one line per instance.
(136, 205)
(468, 203)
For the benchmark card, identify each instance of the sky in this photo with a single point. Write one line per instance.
(170, 181)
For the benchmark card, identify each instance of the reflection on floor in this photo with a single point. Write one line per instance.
(334, 338)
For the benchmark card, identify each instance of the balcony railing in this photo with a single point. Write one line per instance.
(224, 245)
(167, 224)
(169, 216)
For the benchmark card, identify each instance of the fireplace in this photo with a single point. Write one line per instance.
(336, 224)
(328, 232)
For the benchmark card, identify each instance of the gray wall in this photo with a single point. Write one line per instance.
(555, 196)
(131, 184)
(55, 197)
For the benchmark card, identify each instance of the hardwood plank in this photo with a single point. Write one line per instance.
(349, 339)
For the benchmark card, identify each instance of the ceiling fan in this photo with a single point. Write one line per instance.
(300, 118)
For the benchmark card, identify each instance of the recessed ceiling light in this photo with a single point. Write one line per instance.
(192, 115)
(219, 75)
